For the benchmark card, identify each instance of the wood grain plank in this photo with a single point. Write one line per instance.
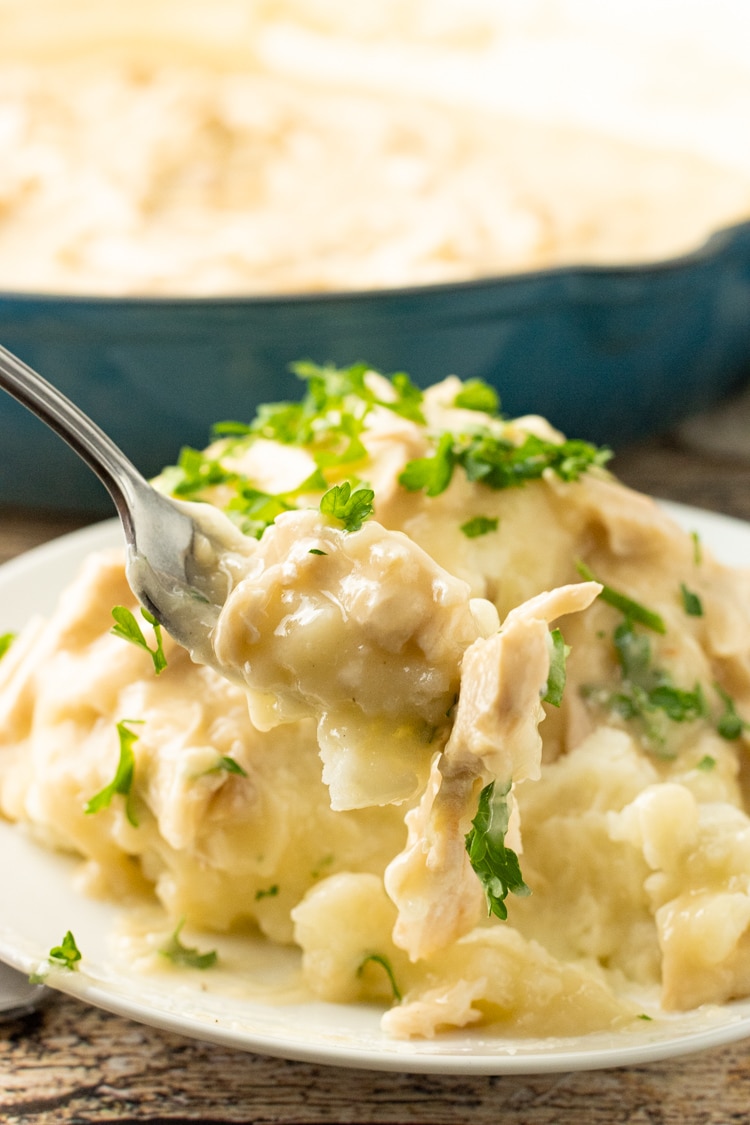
(74, 1064)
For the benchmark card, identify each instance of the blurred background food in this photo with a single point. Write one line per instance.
(552, 195)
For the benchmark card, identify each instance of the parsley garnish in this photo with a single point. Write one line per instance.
(6, 640)
(633, 610)
(268, 892)
(66, 955)
(184, 955)
(226, 764)
(128, 629)
(194, 472)
(730, 724)
(431, 474)
(706, 763)
(379, 959)
(647, 695)
(499, 463)
(691, 603)
(322, 866)
(645, 690)
(556, 677)
(408, 402)
(697, 548)
(122, 782)
(332, 413)
(479, 525)
(351, 508)
(475, 394)
(496, 866)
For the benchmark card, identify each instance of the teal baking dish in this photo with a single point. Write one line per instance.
(611, 354)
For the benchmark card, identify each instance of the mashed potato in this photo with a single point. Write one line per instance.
(255, 148)
(452, 803)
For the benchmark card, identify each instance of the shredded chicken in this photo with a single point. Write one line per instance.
(495, 736)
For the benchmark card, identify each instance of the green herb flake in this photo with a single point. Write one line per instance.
(646, 694)
(6, 640)
(322, 866)
(184, 956)
(331, 416)
(432, 474)
(691, 603)
(478, 526)
(379, 959)
(496, 866)
(499, 463)
(730, 725)
(351, 507)
(316, 551)
(225, 764)
(122, 782)
(707, 763)
(408, 401)
(66, 955)
(268, 892)
(475, 394)
(127, 628)
(697, 548)
(195, 472)
(556, 679)
(631, 609)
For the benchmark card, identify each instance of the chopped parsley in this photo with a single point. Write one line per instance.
(707, 763)
(633, 610)
(323, 865)
(556, 678)
(128, 629)
(697, 548)
(331, 415)
(496, 866)
(185, 956)
(432, 474)
(66, 955)
(647, 696)
(475, 394)
(379, 959)
(730, 724)
(691, 603)
(122, 782)
(499, 463)
(225, 764)
(349, 507)
(268, 892)
(479, 525)
(6, 640)
(329, 422)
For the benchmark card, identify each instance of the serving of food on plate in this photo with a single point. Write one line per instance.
(469, 738)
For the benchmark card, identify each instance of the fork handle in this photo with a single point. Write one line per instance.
(119, 476)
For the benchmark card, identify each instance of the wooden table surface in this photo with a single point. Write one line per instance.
(72, 1064)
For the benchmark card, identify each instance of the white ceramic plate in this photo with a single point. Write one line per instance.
(39, 903)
